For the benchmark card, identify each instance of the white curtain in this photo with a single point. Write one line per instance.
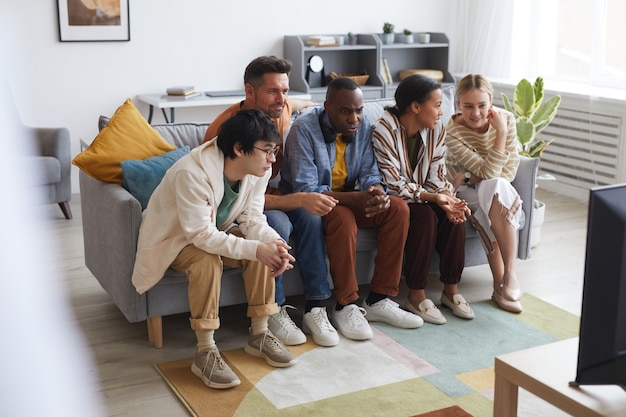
(483, 37)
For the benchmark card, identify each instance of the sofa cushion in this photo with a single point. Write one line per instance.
(127, 136)
(141, 177)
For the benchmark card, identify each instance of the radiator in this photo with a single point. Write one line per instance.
(587, 148)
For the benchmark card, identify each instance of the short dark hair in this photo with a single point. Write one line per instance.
(416, 88)
(340, 84)
(264, 65)
(246, 127)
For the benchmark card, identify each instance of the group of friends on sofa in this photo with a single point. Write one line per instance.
(405, 174)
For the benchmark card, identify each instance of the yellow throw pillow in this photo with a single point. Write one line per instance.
(127, 136)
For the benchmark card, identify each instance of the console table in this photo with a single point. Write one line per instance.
(162, 101)
(546, 371)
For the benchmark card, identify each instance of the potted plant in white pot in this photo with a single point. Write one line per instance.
(408, 36)
(532, 115)
(388, 34)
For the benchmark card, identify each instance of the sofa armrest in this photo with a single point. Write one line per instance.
(524, 183)
(55, 142)
(111, 219)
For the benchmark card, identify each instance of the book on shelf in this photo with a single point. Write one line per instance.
(386, 72)
(182, 96)
(321, 40)
(181, 90)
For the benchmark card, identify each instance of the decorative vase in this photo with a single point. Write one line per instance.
(388, 38)
(408, 38)
(539, 212)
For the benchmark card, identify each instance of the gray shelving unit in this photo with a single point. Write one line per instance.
(366, 55)
(344, 59)
(401, 56)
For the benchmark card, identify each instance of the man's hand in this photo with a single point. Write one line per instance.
(275, 255)
(377, 201)
(318, 203)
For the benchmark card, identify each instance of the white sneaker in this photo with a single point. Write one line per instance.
(316, 323)
(388, 311)
(281, 326)
(351, 322)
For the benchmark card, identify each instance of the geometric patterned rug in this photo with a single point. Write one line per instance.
(430, 371)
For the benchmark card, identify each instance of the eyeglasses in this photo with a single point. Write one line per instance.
(269, 151)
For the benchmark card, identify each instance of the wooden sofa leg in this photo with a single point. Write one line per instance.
(155, 331)
(65, 208)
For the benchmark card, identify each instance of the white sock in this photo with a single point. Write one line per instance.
(259, 324)
(205, 339)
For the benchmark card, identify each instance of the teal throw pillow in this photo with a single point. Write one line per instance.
(141, 177)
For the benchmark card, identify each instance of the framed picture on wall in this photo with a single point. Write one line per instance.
(93, 20)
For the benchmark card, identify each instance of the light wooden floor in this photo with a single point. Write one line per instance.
(124, 359)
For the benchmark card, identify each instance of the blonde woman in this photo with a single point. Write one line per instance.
(482, 161)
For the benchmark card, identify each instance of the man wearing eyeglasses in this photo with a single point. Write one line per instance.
(266, 81)
(207, 213)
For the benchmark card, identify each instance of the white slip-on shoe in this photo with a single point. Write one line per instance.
(388, 311)
(428, 311)
(351, 322)
(458, 305)
(316, 323)
(281, 326)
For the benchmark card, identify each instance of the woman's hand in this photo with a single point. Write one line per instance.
(455, 208)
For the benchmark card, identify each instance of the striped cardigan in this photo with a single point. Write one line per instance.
(473, 152)
(390, 146)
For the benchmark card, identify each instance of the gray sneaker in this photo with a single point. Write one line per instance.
(268, 347)
(281, 326)
(209, 366)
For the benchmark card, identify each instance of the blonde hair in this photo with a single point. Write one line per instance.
(470, 82)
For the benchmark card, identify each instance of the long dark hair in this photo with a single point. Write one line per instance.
(415, 88)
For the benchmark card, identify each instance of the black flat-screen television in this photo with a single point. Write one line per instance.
(602, 342)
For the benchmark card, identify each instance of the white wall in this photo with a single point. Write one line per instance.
(203, 43)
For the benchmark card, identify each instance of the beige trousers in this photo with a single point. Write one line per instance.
(204, 272)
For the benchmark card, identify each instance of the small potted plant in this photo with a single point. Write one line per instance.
(388, 35)
(408, 36)
(351, 38)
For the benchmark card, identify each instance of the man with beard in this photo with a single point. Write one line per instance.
(266, 84)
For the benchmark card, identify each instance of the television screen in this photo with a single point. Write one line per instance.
(602, 343)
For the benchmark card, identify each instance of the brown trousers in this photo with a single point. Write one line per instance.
(431, 230)
(341, 226)
(204, 272)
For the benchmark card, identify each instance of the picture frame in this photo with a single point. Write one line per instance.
(93, 20)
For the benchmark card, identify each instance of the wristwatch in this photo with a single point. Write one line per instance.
(468, 175)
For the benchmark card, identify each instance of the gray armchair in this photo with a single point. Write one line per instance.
(52, 162)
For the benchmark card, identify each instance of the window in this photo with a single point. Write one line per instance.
(577, 41)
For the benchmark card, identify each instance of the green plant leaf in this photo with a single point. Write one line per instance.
(525, 132)
(538, 90)
(524, 98)
(545, 113)
(507, 103)
(536, 150)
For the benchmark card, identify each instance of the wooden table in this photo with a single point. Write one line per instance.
(546, 371)
(162, 101)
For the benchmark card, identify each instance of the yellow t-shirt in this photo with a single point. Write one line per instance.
(340, 170)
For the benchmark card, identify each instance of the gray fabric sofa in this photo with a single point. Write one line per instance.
(111, 218)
